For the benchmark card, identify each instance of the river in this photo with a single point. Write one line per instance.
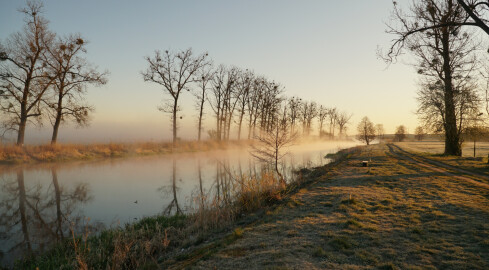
(42, 203)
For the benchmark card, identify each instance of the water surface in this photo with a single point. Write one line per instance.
(40, 204)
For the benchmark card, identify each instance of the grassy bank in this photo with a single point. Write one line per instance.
(12, 154)
(159, 241)
(394, 214)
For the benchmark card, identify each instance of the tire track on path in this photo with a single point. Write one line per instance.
(458, 173)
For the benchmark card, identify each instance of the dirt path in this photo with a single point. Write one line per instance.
(400, 213)
(464, 175)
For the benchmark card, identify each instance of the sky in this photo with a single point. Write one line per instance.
(323, 51)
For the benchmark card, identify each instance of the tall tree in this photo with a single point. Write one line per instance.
(23, 76)
(322, 114)
(175, 71)
(333, 117)
(343, 119)
(244, 85)
(72, 75)
(294, 106)
(445, 53)
(206, 75)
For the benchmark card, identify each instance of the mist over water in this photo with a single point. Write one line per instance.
(114, 192)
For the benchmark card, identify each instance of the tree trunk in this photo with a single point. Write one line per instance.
(21, 132)
(452, 140)
(200, 118)
(175, 106)
(240, 123)
(57, 122)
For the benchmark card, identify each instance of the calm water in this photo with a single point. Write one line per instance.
(40, 203)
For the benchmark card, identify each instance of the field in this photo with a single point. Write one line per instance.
(436, 147)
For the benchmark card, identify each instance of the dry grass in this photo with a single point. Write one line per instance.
(434, 150)
(437, 147)
(156, 241)
(11, 154)
(393, 215)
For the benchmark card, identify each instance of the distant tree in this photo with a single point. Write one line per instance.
(206, 75)
(72, 74)
(379, 128)
(253, 104)
(343, 118)
(175, 72)
(244, 85)
(23, 77)
(333, 117)
(312, 112)
(294, 107)
(400, 134)
(322, 114)
(220, 98)
(419, 133)
(366, 131)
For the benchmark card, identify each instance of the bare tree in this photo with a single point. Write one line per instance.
(244, 85)
(72, 74)
(271, 144)
(379, 128)
(254, 104)
(419, 133)
(175, 72)
(475, 11)
(431, 109)
(432, 32)
(343, 119)
(400, 134)
(322, 114)
(312, 111)
(366, 131)
(220, 99)
(206, 75)
(303, 116)
(333, 116)
(23, 76)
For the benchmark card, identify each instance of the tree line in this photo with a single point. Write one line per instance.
(236, 97)
(44, 77)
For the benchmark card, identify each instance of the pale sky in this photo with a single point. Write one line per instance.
(323, 51)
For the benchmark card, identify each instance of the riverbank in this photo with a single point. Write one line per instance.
(401, 212)
(159, 240)
(37, 154)
(70, 152)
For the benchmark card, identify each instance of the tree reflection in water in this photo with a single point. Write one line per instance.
(36, 215)
(173, 189)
